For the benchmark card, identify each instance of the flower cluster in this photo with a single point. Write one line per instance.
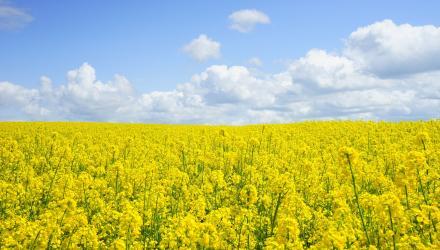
(310, 185)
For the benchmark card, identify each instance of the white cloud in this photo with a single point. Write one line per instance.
(12, 18)
(220, 84)
(203, 48)
(387, 49)
(245, 20)
(319, 69)
(89, 98)
(375, 101)
(12, 96)
(231, 95)
(15, 94)
(255, 61)
(319, 85)
(81, 98)
(220, 94)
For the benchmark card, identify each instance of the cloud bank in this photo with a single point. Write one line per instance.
(384, 71)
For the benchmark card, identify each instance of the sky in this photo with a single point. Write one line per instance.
(219, 62)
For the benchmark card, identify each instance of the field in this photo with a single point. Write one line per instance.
(318, 185)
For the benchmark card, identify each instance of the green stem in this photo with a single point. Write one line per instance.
(392, 227)
(406, 195)
(421, 186)
(357, 200)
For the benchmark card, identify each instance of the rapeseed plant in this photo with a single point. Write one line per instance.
(310, 185)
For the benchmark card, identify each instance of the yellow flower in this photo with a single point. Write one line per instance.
(423, 139)
(249, 195)
(317, 185)
(416, 159)
(348, 155)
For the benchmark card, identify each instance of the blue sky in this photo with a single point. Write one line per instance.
(144, 41)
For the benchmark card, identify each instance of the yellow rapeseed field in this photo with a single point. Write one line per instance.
(317, 185)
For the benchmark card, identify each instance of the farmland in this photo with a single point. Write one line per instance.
(311, 185)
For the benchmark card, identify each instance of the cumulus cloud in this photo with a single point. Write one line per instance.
(245, 20)
(19, 103)
(220, 84)
(81, 98)
(12, 18)
(203, 48)
(321, 70)
(388, 50)
(89, 98)
(319, 85)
